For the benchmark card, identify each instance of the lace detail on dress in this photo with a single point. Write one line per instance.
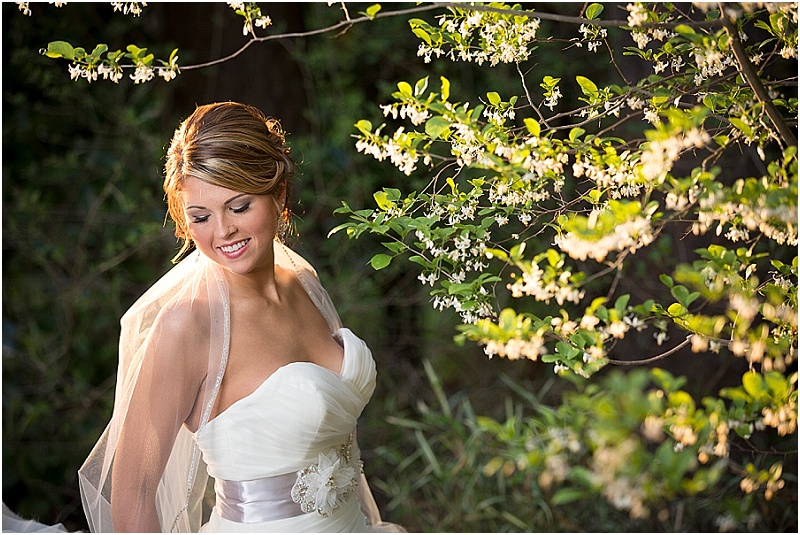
(326, 485)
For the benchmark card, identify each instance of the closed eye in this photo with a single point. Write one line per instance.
(241, 209)
(199, 219)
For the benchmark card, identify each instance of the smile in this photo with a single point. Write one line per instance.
(234, 247)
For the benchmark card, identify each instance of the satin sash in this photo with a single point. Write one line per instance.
(257, 500)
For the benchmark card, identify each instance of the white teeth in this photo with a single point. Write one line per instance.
(233, 248)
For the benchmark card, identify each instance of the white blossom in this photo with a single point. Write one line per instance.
(637, 14)
(651, 116)
(142, 74)
(630, 235)
(132, 8)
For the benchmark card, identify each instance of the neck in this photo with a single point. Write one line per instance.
(261, 283)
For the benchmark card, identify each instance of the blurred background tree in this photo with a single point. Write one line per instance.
(83, 237)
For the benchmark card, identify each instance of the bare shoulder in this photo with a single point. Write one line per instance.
(181, 331)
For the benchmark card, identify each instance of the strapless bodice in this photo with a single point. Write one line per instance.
(300, 411)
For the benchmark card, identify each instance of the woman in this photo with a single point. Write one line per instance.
(234, 364)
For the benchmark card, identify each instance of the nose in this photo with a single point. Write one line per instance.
(224, 228)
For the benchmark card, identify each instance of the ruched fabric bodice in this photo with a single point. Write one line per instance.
(298, 413)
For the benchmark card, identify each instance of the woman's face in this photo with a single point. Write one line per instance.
(234, 229)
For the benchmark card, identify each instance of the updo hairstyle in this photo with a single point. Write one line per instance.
(230, 145)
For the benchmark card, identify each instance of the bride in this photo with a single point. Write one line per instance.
(234, 364)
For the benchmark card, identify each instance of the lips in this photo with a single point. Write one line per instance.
(234, 249)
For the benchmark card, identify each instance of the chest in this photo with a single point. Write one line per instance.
(265, 340)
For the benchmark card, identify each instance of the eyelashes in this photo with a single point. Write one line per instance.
(243, 208)
(238, 210)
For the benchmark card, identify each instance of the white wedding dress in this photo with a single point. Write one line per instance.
(283, 459)
(301, 419)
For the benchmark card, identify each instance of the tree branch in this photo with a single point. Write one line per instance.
(341, 25)
(754, 81)
(653, 359)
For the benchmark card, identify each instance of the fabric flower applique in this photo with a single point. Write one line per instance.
(324, 486)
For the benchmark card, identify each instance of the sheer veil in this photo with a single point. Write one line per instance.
(199, 282)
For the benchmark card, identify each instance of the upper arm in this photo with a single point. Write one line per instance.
(163, 397)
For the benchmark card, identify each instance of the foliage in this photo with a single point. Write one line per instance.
(82, 238)
(603, 448)
(588, 186)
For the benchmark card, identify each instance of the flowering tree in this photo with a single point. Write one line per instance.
(590, 191)
(535, 206)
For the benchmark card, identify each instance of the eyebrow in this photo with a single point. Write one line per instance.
(226, 202)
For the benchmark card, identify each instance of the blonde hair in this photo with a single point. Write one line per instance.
(230, 145)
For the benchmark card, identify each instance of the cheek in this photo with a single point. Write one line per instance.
(263, 221)
(199, 233)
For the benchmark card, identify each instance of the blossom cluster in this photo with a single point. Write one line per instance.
(394, 149)
(778, 223)
(710, 62)
(618, 176)
(416, 114)
(611, 471)
(480, 37)
(113, 71)
(534, 283)
(465, 146)
(132, 8)
(594, 35)
(659, 156)
(252, 17)
(515, 348)
(25, 7)
(638, 15)
(629, 235)
(771, 480)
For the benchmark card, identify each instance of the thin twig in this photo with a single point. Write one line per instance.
(345, 24)
(652, 359)
(528, 96)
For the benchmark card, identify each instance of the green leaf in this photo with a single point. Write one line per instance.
(589, 87)
(593, 11)
(575, 133)
(777, 384)
(405, 89)
(382, 200)
(533, 126)
(742, 126)
(494, 98)
(684, 29)
(99, 50)
(422, 34)
(679, 293)
(755, 385)
(677, 310)
(622, 303)
(364, 126)
(60, 49)
(380, 261)
(567, 495)
(508, 319)
(420, 86)
(445, 88)
(436, 127)
(373, 10)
